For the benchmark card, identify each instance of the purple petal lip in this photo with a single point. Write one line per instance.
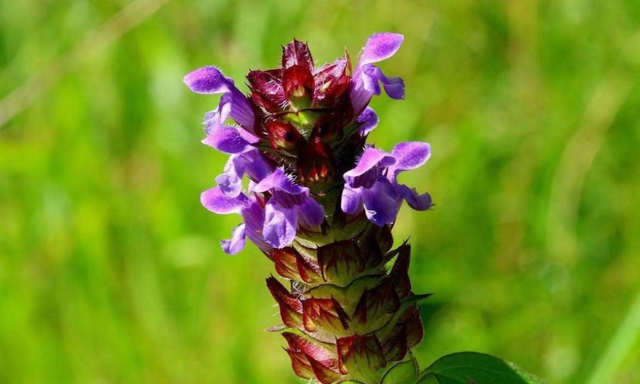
(217, 202)
(371, 157)
(228, 140)
(208, 80)
(415, 201)
(409, 155)
(381, 202)
(278, 180)
(381, 46)
(250, 162)
(237, 241)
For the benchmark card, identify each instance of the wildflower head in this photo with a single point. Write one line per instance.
(320, 203)
(297, 136)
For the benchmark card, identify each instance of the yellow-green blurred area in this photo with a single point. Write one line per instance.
(111, 271)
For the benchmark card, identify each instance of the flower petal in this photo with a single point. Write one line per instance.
(311, 213)
(359, 96)
(215, 119)
(248, 136)
(251, 162)
(381, 46)
(409, 155)
(280, 224)
(366, 83)
(241, 110)
(216, 201)
(228, 140)
(368, 120)
(381, 202)
(208, 80)
(366, 78)
(257, 166)
(351, 200)
(370, 158)
(370, 82)
(236, 243)
(253, 217)
(415, 201)
(393, 86)
(230, 183)
(280, 181)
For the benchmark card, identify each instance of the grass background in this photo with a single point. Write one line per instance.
(110, 270)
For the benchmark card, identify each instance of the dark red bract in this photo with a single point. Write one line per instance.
(303, 110)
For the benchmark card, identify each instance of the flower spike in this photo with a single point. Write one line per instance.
(321, 204)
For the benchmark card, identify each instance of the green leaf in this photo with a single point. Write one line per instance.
(475, 368)
(402, 373)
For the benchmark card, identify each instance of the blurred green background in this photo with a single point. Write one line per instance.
(111, 272)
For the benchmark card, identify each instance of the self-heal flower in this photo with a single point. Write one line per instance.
(288, 207)
(209, 80)
(273, 224)
(367, 77)
(252, 213)
(373, 183)
(299, 137)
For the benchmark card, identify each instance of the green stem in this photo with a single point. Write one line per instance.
(620, 346)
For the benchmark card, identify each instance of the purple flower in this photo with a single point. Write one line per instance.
(373, 183)
(228, 197)
(288, 207)
(209, 80)
(367, 77)
(252, 212)
(272, 226)
(251, 163)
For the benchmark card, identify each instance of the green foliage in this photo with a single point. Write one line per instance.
(474, 368)
(458, 368)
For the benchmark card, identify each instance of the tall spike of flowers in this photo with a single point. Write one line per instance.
(321, 203)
